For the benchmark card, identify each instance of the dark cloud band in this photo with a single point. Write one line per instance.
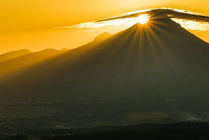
(169, 12)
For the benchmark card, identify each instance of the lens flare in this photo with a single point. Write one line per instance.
(143, 19)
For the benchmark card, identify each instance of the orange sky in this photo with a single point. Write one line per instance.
(30, 23)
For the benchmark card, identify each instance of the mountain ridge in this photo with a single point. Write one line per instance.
(147, 73)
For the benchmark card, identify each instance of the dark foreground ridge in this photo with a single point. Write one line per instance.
(175, 131)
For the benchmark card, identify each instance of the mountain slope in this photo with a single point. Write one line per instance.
(162, 47)
(15, 62)
(13, 55)
(147, 73)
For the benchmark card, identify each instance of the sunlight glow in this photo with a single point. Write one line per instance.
(192, 25)
(143, 19)
(126, 22)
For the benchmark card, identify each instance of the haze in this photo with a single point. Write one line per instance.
(35, 24)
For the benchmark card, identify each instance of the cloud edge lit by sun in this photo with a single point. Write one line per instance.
(126, 20)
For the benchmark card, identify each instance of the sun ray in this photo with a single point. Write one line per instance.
(143, 19)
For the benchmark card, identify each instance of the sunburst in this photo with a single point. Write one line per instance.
(143, 19)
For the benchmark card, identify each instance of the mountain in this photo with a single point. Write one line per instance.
(13, 55)
(17, 61)
(102, 37)
(157, 72)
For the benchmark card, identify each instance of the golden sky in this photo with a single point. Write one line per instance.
(31, 23)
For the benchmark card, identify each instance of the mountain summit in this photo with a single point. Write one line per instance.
(153, 72)
(159, 49)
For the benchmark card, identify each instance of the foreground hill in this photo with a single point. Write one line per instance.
(180, 131)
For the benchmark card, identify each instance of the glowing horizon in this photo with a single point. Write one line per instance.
(116, 21)
(37, 25)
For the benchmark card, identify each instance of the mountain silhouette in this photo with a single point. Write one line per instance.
(17, 61)
(161, 48)
(13, 55)
(102, 37)
(152, 72)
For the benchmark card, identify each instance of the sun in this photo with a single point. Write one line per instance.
(143, 19)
